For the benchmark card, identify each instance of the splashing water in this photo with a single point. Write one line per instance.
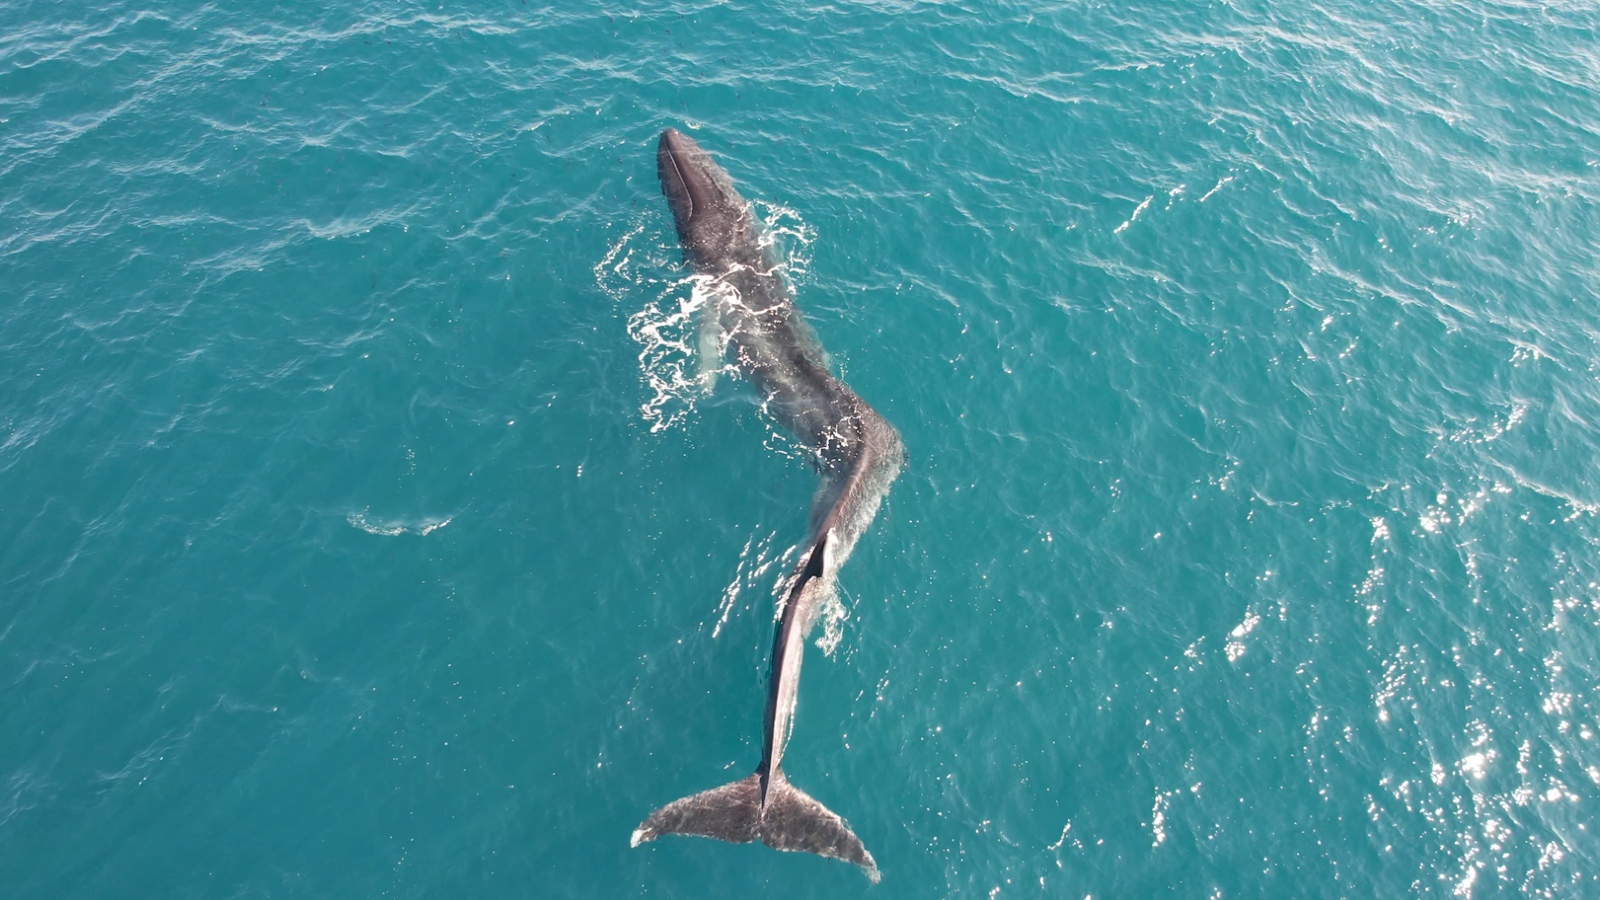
(677, 363)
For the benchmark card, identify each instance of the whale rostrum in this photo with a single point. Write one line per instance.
(749, 314)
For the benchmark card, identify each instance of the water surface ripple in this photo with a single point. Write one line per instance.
(361, 536)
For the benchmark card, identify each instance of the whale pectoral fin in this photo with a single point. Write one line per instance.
(708, 348)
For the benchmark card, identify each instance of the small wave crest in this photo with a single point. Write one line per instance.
(394, 527)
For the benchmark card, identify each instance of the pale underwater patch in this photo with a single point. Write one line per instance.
(396, 527)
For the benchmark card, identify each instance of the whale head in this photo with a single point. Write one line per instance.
(705, 207)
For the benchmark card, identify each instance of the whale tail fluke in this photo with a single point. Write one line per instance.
(789, 820)
(728, 813)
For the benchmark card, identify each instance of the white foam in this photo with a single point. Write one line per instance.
(673, 355)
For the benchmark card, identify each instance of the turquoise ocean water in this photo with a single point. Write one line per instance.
(362, 535)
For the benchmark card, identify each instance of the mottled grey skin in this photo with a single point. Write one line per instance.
(858, 454)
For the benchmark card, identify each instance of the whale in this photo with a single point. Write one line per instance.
(749, 318)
